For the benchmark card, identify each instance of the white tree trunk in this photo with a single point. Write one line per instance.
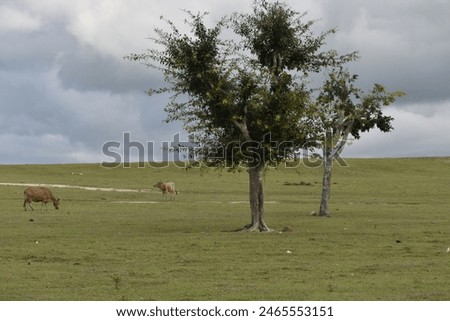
(328, 154)
(326, 187)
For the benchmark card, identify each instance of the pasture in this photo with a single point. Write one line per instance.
(386, 240)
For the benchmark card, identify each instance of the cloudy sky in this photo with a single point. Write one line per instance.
(65, 89)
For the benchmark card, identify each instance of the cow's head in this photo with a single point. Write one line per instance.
(158, 185)
(56, 203)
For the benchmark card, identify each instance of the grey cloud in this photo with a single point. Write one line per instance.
(403, 44)
(25, 106)
(413, 135)
(34, 50)
(88, 70)
(41, 149)
(36, 105)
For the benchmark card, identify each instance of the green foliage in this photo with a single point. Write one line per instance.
(238, 94)
(387, 239)
(281, 40)
(343, 108)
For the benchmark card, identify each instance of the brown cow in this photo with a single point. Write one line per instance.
(167, 188)
(39, 194)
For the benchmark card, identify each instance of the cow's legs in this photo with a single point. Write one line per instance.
(25, 205)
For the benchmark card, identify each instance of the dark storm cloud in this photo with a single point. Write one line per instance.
(402, 44)
(88, 70)
(26, 107)
(34, 50)
(64, 100)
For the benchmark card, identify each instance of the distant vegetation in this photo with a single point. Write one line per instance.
(387, 239)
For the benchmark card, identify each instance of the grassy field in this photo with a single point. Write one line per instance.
(386, 240)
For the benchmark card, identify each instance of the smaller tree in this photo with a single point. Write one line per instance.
(342, 109)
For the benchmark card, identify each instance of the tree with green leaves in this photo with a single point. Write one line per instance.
(243, 96)
(341, 109)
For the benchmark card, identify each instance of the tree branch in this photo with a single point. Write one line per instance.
(243, 128)
(341, 144)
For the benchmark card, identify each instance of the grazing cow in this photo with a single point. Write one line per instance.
(39, 194)
(167, 188)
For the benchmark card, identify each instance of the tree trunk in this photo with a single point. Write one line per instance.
(326, 186)
(256, 200)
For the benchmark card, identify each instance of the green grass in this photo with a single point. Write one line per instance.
(386, 240)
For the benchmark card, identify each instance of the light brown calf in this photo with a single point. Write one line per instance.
(167, 188)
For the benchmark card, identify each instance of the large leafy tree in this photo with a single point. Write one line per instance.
(244, 97)
(342, 110)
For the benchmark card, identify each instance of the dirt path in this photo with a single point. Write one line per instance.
(88, 188)
(123, 190)
(200, 202)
